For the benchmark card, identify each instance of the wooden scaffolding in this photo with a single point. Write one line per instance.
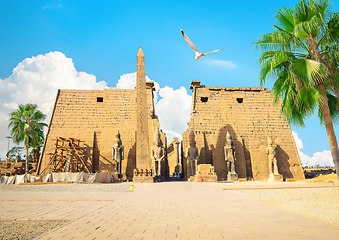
(68, 156)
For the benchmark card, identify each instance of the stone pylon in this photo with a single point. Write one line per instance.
(143, 170)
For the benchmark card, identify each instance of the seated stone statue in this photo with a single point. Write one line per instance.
(192, 155)
(157, 154)
(272, 160)
(230, 154)
(118, 153)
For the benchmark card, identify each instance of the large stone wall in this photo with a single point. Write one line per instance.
(79, 114)
(249, 115)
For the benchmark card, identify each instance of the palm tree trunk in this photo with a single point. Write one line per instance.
(324, 107)
(329, 128)
(36, 154)
(27, 162)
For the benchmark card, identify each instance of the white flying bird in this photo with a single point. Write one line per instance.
(197, 54)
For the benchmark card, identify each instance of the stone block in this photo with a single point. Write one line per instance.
(143, 179)
(143, 175)
(205, 178)
(275, 178)
(205, 169)
(205, 173)
(233, 177)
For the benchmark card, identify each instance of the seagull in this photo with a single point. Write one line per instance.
(197, 54)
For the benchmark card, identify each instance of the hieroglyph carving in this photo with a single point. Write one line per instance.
(143, 172)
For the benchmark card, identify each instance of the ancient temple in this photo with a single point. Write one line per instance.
(248, 114)
(95, 116)
(226, 138)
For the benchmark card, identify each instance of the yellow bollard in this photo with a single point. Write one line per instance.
(131, 187)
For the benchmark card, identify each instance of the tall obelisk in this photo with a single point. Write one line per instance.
(141, 173)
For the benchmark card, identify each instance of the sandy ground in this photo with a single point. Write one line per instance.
(26, 229)
(324, 178)
(331, 177)
(318, 203)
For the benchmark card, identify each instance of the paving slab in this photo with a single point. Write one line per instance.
(168, 210)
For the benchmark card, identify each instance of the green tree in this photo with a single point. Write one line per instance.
(35, 143)
(27, 123)
(301, 56)
(15, 153)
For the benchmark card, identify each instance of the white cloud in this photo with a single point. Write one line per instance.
(156, 92)
(297, 140)
(173, 110)
(127, 81)
(323, 158)
(171, 134)
(12, 105)
(223, 63)
(36, 80)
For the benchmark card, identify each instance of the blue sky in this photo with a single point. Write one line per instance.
(103, 37)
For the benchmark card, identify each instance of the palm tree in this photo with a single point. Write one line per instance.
(301, 56)
(35, 142)
(25, 123)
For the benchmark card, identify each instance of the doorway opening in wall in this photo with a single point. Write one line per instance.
(240, 100)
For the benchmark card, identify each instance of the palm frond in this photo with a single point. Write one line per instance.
(26, 122)
(331, 31)
(308, 71)
(285, 19)
(307, 32)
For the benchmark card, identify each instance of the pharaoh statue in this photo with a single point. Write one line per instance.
(229, 153)
(192, 154)
(157, 154)
(272, 160)
(118, 153)
(230, 158)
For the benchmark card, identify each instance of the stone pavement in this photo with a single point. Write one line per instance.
(277, 185)
(169, 210)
